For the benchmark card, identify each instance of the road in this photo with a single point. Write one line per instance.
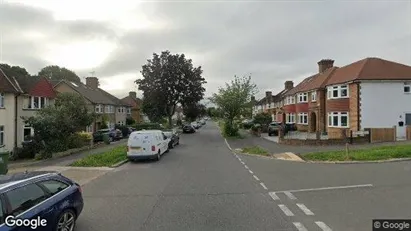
(202, 185)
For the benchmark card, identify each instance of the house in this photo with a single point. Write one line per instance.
(135, 111)
(369, 93)
(21, 96)
(110, 109)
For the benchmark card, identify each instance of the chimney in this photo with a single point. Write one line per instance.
(132, 94)
(288, 85)
(268, 94)
(92, 82)
(325, 64)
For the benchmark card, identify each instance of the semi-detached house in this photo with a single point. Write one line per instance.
(369, 93)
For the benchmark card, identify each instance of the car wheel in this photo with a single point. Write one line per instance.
(66, 221)
(158, 157)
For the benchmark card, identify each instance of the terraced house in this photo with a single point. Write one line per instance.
(369, 93)
(112, 110)
(21, 96)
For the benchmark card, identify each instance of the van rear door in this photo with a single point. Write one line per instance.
(140, 144)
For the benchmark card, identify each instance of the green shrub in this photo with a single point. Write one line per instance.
(230, 129)
(147, 126)
(106, 139)
(29, 149)
(124, 129)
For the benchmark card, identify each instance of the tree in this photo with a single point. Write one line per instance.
(263, 118)
(130, 121)
(169, 79)
(13, 71)
(234, 100)
(54, 72)
(153, 109)
(193, 111)
(56, 124)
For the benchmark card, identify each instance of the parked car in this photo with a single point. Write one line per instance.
(203, 122)
(188, 128)
(273, 128)
(174, 138)
(113, 135)
(196, 125)
(41, 195)
(119, 134)
(147, 144)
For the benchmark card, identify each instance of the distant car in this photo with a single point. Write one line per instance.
(40, 195)
(147, 144)
(188, 128)
(119, 134)
(196, 125)
(98, 136)
(273, 128)
(174, 138)
(203, 122)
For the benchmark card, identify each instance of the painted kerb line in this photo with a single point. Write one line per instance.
(255, 177)
(323, 226)
(299, 226)
(305, 210)
(286, 211)
(274, 196)
(245, 166)
(290, 195)
(251, 171)
(263, 185)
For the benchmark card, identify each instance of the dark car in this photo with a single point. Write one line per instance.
(113, 135)
(273, 128)
(174, 138)
(188, 128)
(48, 197)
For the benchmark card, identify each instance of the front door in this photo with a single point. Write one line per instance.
(402, 126)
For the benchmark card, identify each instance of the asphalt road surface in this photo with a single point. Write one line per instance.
(202, 185)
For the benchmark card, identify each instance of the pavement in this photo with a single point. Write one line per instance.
(202, 185)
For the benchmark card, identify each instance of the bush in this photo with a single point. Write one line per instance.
(124, 130)
(230, 129)
(78, 140)
(106, 139)
(29, 149)
(147, 126)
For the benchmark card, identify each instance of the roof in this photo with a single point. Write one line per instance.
(27, 82)
(8, 84)
(318, 80)
(371, 69)
(300, 86)
(116, 100)
(94, 95)
(134, 102)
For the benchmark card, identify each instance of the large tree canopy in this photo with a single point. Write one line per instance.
(169, 79)
(13, 71)
(193, 111)
(59, 73)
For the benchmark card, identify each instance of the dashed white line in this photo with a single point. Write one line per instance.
(286, 211)
(251, 171)
(299, 226)
(242, 162)
(305, 210)
(255, 177)
(245, 166)
(323, 226)
(274, 196)
(263, 185)
(239, 159)
(290, 195)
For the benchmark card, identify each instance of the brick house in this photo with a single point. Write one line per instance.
(135, 111)
(112, 110)
(21, 96)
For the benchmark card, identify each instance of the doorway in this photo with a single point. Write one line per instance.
(313, 122)
(402, 126)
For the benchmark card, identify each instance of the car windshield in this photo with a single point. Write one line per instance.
(273, 124)
(168, 134)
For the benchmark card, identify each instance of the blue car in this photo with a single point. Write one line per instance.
(39, 200)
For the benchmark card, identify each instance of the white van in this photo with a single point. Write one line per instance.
(147, 144)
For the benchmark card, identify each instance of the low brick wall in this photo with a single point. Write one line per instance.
(357, 140)
(302, 128)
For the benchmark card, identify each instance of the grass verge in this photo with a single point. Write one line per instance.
(255, 150)
(371, 154)
(105, 159)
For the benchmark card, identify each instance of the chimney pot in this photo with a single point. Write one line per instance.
(92, 82)
(268, 93)
(325, 64)
(288, 85)
(132, 94)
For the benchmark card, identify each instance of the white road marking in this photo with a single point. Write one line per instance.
(290, 195)
(251, 171)
(323, 226)
(305, 210)
(274, 196)
(299, 226)
(242, 162)
(286, 210)
(239, 159)
(228, 145)
(263, 185)
(246, 167)
(328, 188)
(255, 177)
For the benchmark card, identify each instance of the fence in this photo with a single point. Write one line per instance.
(382, 135)
(408, 132)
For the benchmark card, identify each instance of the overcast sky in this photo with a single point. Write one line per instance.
(275, 41)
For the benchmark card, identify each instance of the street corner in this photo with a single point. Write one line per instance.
(289, 156)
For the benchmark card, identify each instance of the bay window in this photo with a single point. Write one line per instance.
(313, 96)
(407, 89)
(338, 119)
(37, 102)
(290, 118)
(99, 108)
(302, 97)
(2, 100)
(303, 118)
(337, 92)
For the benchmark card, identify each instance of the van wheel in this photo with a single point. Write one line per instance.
(158, 157)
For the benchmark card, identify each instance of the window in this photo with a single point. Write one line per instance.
(119, 110)
(36, 102)
(107, 109)
(89, 128)
(336, 92)
(28, 133)
(338, 119)
(407, 89)
(128, 110)
(54, 186)
(2, 100)
(99, 108)
(313, 96)
(302, 97)
(1, 135)
(303, 118)
(289, 100)
(290, 118)
(24, 198)
(111, 109)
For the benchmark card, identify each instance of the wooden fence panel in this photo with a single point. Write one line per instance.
(383, 135)
(408, 132)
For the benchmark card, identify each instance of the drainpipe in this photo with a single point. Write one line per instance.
(358, 107)
(16, 97)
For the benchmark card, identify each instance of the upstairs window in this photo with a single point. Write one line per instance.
(302, 97)
(407, 89)
(337, 92)
(313, 96)
(128, 110)
(36, 102)
(2, 100)
(99, 108)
